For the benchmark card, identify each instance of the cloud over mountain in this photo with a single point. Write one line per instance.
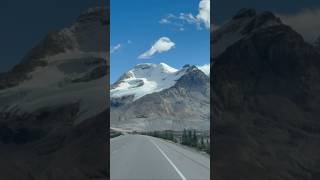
(161, 45)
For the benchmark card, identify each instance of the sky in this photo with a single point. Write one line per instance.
(225, 9)
(25, 23)
(154, 31)
(302, 15)
(135, 26)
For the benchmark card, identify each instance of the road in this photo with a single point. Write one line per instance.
(137, 157)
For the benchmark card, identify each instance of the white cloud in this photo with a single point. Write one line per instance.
(305, 22)
(164, 21)
(205, 68)
(115, 48)
(204, 12)
(181, 29)
(189, 18)
(161, 45)
(203, 17)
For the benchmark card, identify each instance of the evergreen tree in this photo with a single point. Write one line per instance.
(174, 139)
(194, 138)
(189, 138)
(167, 135)
(184, 137)
(171, 136)
(202, 143)
(155, 134)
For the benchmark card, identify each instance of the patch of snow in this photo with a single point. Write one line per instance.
(49, 86)
(205, 68)
(145, 79)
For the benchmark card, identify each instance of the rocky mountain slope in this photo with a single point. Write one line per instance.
(54, 105)
(145, 79)
(266, 99)
(155, 97)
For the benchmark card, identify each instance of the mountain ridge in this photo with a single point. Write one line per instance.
(265, 96)
(54, 108)
(184, 104)
(73, 39)
(156, 77)
(242, 25)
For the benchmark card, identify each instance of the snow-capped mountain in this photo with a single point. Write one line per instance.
(266, 99)
(54, 103)
(245, 23)
(157, 96)
(145, 79)
(65, 78)
(64, 67)
(87, 34)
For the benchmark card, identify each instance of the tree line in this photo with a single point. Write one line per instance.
(188, 138)
(191, 138)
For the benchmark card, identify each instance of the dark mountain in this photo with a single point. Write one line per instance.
(266, 99)
(87, 34)
(54, 106)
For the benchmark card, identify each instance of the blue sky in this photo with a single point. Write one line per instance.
(25, 23)
(135, 26)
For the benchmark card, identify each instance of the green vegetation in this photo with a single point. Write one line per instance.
(168, 135)
(191, 138)
(114, 134)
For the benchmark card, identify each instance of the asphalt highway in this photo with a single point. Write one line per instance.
(137, 157)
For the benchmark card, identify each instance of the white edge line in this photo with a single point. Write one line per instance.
(174, 166)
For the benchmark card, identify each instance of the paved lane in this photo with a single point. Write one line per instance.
(137, 157)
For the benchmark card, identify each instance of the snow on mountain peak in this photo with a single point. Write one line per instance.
(205, 68)
(147, 78)
(167, 68)
(154, 67)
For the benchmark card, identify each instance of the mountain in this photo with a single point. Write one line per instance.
(317, 43)
(266, 99)
(157, 96)
(145, 79)
(86, 36)
(53, 105)
(241, 26)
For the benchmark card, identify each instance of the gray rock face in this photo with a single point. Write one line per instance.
(19, 73)
(184, 105)
(87, 34)
(54, 106)
(265, 96)
(317, 43)
(241, 26)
